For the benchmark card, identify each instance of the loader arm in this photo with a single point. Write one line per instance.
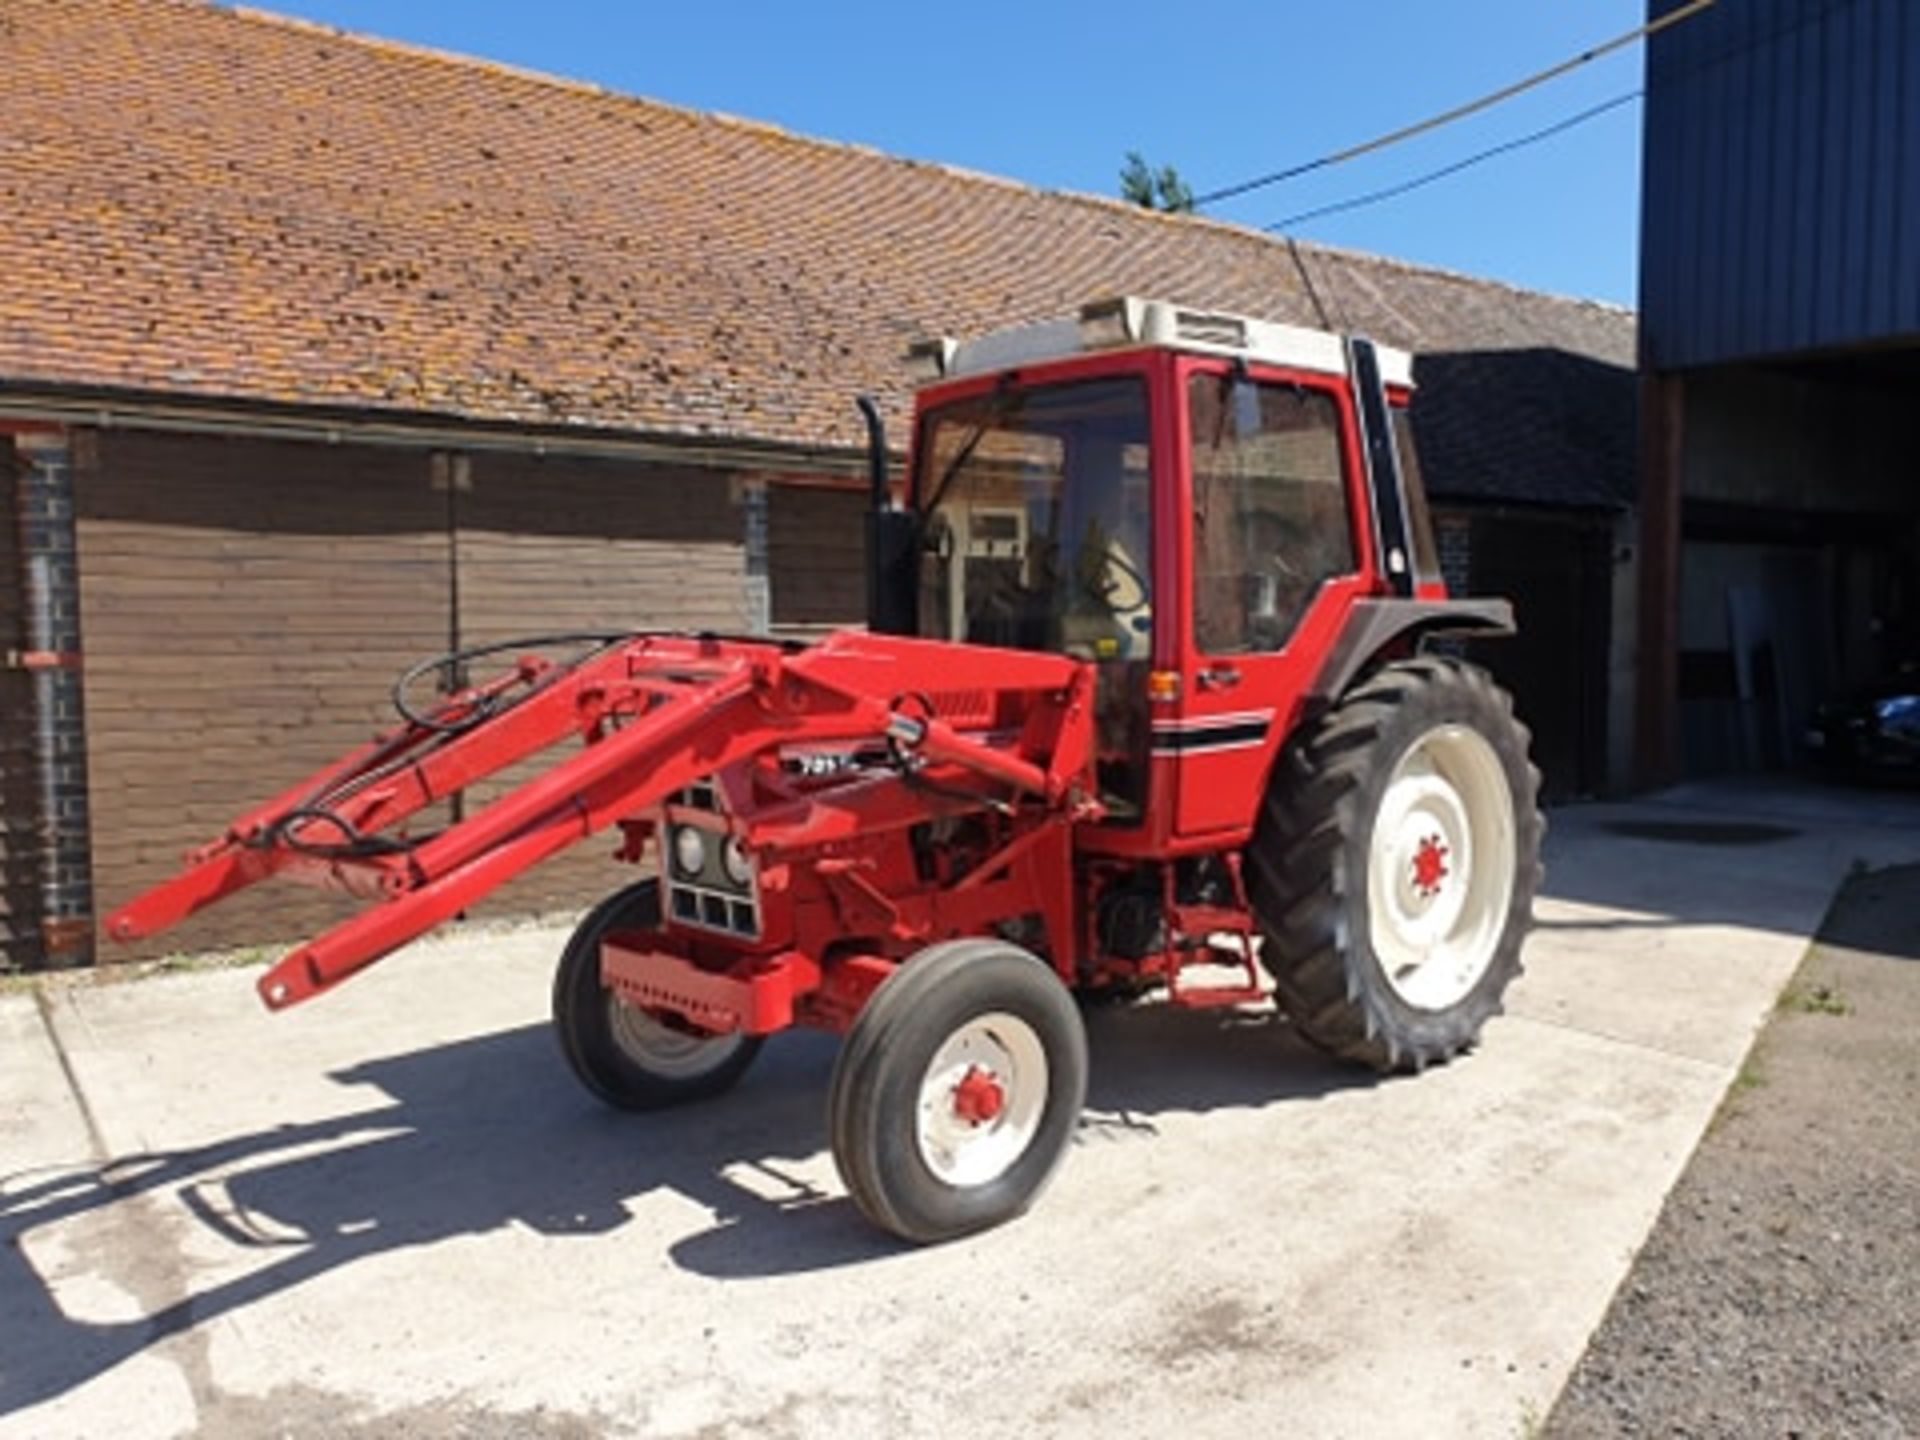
(656, 713)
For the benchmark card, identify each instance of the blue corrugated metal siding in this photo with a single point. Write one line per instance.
(1781, 186)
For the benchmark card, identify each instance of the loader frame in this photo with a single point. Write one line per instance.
(1006, 736)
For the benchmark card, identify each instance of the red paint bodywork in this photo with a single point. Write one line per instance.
(983, 819)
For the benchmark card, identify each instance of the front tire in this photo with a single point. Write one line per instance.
(1395, 863)
(626, 1056)
(958, 1090)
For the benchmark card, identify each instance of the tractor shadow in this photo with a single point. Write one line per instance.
(1151, 1059)
(1147, 1060)
(489, 1133)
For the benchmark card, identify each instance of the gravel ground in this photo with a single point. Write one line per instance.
(1779, 1294)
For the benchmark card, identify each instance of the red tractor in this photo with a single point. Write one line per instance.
(1145, 701)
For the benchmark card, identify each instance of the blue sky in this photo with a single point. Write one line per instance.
(1055, 94)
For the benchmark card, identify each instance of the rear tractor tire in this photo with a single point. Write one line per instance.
(627, 1056)
(1395, 863)
(958, 1089)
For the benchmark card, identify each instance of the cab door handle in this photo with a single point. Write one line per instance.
(1220, 677)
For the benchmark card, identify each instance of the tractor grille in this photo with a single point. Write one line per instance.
(963, 708)
(716, 910)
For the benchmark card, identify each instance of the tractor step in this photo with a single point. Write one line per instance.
(1200, 921)
(1193, 992)
(1214, 997)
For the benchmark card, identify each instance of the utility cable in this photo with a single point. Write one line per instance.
(1593, 112)
(1374, 197)
(1460, 112)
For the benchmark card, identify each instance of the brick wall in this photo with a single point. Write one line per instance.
(52, 592)
(19, 855)
(1453, 536)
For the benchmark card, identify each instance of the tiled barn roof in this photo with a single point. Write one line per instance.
(224, 204)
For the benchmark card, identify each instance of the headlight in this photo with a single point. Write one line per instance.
(689, 850)
(739, 868)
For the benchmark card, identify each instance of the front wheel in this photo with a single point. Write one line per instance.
(1395, 865)
(958, 1089)
(629, 1057)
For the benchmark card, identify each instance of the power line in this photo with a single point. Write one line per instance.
(1375, 196)
(1471, 107)
(1711, 62)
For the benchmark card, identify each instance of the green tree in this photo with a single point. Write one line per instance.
(1161, 189)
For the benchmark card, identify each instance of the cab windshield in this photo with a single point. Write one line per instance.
(1037, 520)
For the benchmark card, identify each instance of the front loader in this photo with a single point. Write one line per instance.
(1145, 703)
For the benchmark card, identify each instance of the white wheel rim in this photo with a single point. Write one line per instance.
(981, 1100)
(1441, 867)
(665, 1050)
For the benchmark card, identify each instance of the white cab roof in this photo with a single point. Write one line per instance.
(1129, 322)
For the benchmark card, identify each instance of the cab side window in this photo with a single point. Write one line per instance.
(1270, 522)
(1426, 555)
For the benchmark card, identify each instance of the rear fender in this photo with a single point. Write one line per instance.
(1377, 625)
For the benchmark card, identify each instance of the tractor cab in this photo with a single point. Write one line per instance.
(1190, 501)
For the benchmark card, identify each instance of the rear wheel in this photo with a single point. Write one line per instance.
(629, 1057)
(958, 1089)
(1395, 864)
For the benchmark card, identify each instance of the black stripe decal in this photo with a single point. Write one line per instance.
(1213, 737)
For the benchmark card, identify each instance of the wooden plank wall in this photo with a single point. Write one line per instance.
(817, 558)
(244, 606)
(565, 544)
(247, 605)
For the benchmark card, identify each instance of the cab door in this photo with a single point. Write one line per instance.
(1272, 557)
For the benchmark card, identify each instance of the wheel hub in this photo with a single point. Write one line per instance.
(1430, 866)
(978, 1099)
(981, 1100)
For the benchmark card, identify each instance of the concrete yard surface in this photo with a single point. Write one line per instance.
(393, 1211)
(1775, 1295)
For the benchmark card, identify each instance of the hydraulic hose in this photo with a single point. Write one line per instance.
(455, 661)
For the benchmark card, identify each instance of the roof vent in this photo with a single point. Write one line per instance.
(1113, 321)
(930, 359)
(1202, 328)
